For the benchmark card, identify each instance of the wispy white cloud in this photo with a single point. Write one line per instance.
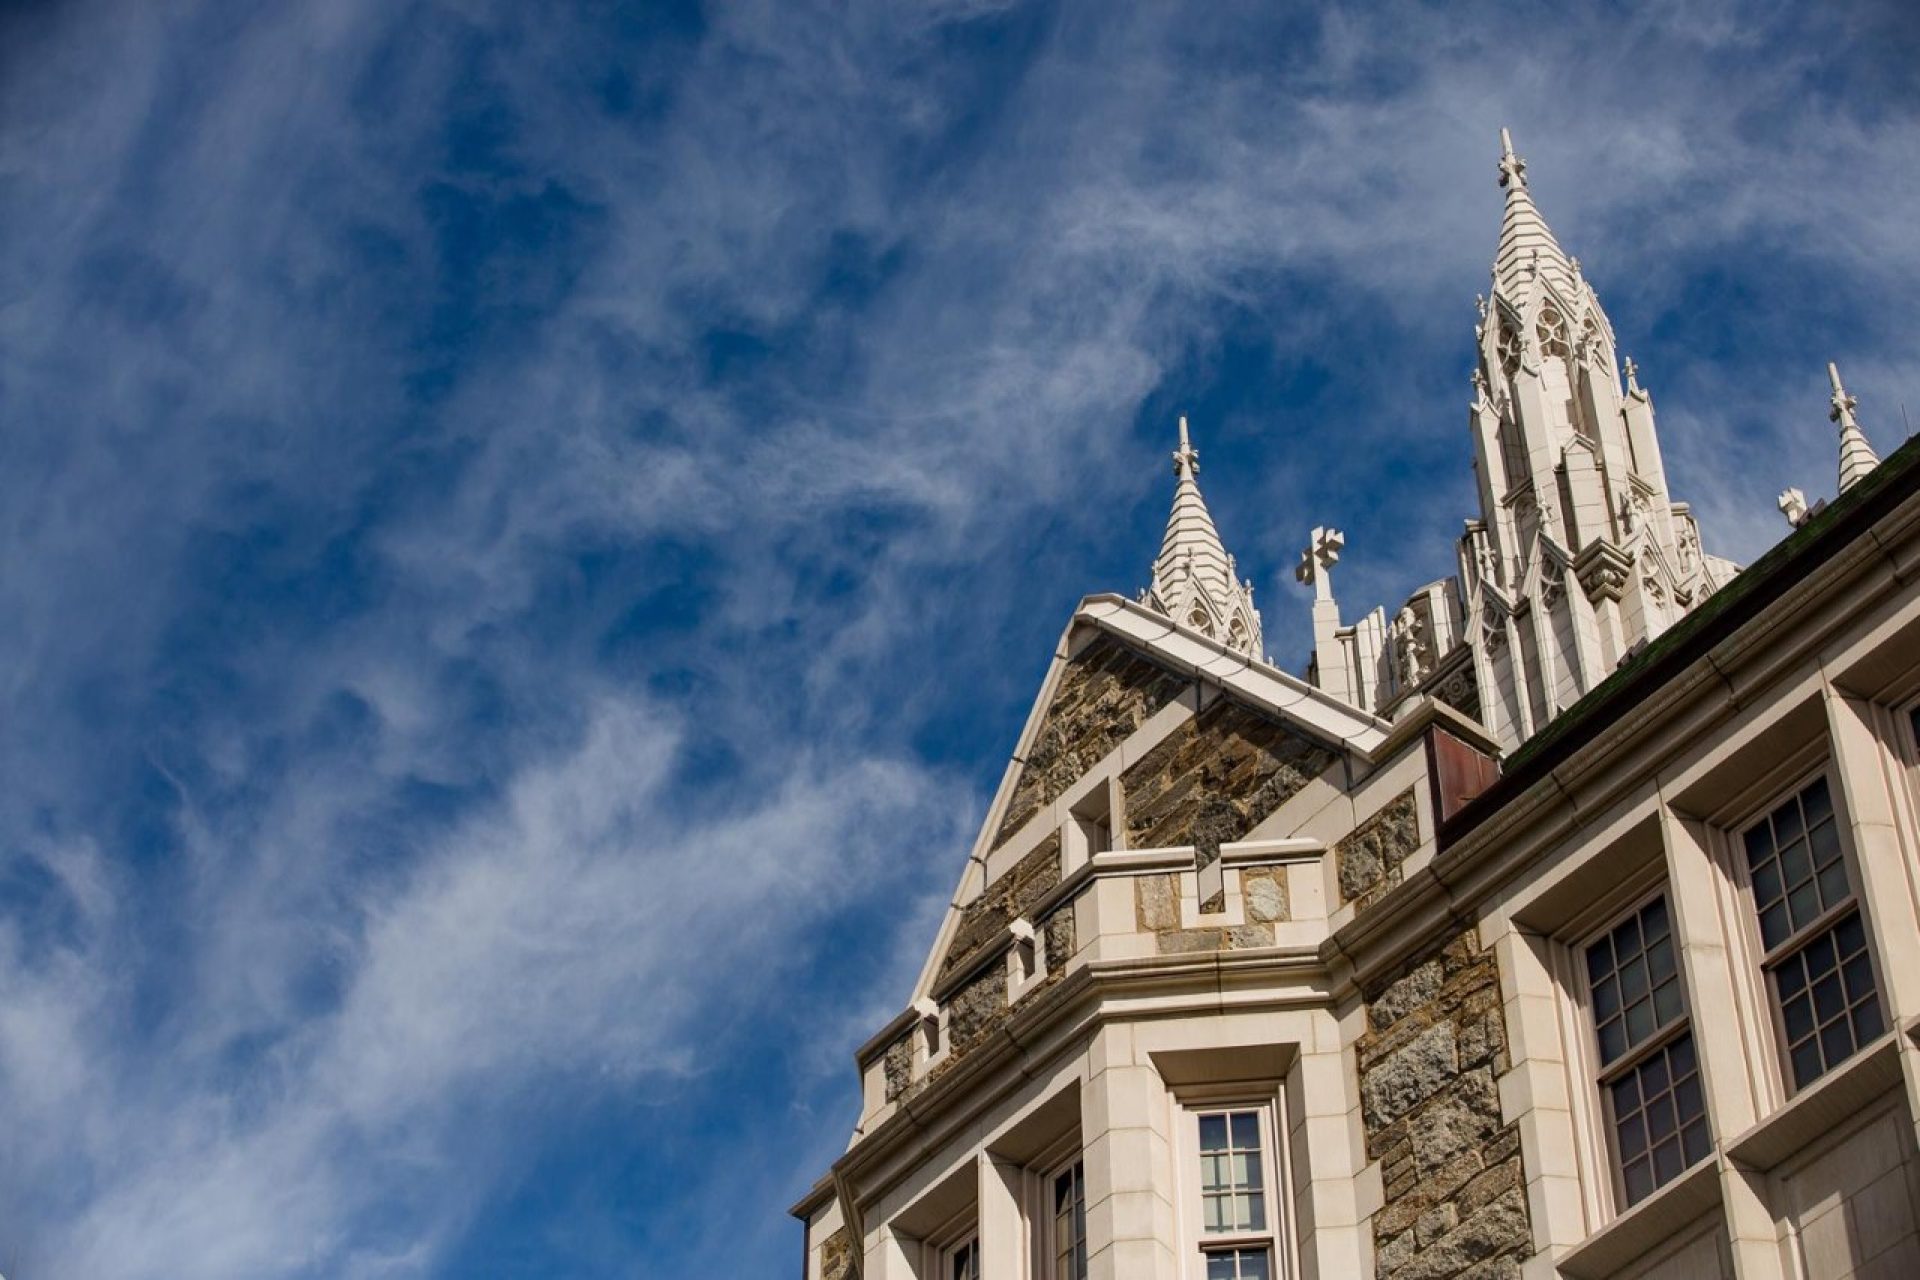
(526, 535)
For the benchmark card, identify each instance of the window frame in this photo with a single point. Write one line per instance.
(1764, 961)
(956, 1251)
(1600, 1074)
(1195, 1241)
(959, 1233)
(1048, 1219)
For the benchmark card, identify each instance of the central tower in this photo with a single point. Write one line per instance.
(1580, 553)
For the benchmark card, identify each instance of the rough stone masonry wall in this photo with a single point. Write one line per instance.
(1106, 692)
(836, 1256)
(1455, 1205)
(1367, 860)
(1214, 778)
(980, 1007)
(1007, 899)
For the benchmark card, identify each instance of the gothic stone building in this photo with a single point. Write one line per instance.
(1567, 923)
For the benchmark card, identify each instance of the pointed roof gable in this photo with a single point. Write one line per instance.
(1172, 651)
(1526, 243)
(1193, 577)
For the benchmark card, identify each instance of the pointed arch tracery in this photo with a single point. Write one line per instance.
(1550, 330)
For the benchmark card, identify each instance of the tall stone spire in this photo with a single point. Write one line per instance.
(1580, 553)
(1857, 457)
(1527, 247)
(1194, 579)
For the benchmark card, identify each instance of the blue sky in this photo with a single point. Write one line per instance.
(529, 531)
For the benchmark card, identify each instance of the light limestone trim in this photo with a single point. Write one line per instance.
(1654, 1221)
(1830, 615)
(1252, 853)
(1866, 775)
(1188, 990)
(1534, 1091)
(1268, 688)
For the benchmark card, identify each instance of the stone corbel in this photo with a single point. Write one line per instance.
(1602, 569)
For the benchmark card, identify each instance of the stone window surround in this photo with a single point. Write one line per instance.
(941, 1246)
(1587, 1049)
(1552, 1084)
(1755, 807)
(1190, 1102)
(1860, 739)
(928, 1016)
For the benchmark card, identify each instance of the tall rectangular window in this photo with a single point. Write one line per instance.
(1649, 1072)
(963, 1263)
(1825, 999)
(1069, 1233)
(1233, 1146)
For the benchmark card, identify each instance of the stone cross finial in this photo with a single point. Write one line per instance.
(1186, 459)
(1857, 457)
(1843, 404)
(1512, 168)
(1322, 553)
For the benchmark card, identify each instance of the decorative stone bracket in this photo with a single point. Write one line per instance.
(1602, 569)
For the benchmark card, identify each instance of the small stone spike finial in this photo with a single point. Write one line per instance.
(1512, 168)
(1195, 581)
(1857, 457)
(1633, 374)
(1186, 459)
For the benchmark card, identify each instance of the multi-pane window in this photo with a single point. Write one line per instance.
(1239, 1264)
(1812, 935)
(1232, 1193)
(1649, 1072)
(964, 1262)
(1237, 1204)
(1070, 1223)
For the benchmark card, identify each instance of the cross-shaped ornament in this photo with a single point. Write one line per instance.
(1186, 459)
(1512, 167)
(1322, 553)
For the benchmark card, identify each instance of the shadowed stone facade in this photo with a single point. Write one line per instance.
(1455, 1202)
(1106, 692)
(1368, 861)
(1009, 898)
(1216, 777)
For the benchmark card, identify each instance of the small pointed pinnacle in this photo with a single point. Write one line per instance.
(1857, 457)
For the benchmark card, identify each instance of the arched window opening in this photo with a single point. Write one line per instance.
(1551, 330)
(1509, 349)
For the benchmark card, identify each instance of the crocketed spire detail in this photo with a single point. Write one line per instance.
(1526, 244)
(1194, 580)
(1857, 457)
